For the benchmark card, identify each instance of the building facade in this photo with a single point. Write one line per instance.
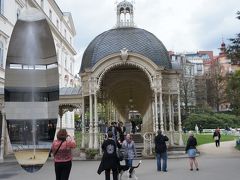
(187, 81)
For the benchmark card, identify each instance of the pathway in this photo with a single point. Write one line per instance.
(226, 149)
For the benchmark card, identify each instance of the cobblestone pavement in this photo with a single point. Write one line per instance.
(220, 166)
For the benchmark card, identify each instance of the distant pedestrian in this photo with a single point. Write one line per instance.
(122, 131)
(217, 137)
(61, 149)
(192, 151)
(129, 151)
(161, 151)
(200, 129)
(133, 126)
(110, 160)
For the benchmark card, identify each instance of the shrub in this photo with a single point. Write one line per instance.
(91, 153)
(212, 120)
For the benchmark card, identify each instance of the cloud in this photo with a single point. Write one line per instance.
(184, 25)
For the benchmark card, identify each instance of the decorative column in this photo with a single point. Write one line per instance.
(161, 112)
(91, 122)
(179, 122)
(153, 117)
(156, 112)
(83, 123)
(3, 136)
(164, 116)
(96, 122)
(170, 119)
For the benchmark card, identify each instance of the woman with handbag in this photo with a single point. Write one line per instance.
(217, 137)
(110, 160)
(129, 150)
(61, 149)
(191, 150)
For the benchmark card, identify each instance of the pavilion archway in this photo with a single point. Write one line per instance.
(125, 89)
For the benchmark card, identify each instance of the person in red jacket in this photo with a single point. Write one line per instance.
(61, 149)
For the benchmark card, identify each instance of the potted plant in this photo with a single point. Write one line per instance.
(91, 153)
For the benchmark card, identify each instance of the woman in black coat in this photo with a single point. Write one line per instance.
(110, 160)
(191, 150)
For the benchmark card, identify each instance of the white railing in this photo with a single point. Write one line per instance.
(148, 141)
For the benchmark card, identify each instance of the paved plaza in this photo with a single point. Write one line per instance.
(215, 163)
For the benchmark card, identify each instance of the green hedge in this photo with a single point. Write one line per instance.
(212, 120)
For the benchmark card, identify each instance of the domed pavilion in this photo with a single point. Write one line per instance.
(127, 70)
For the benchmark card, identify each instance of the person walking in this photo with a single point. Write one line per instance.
(192, 151)
(110, 160)
(217, 137)
(61, 149)
(161, 151)
(129, 150)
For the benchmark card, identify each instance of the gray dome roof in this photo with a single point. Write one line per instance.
(134, 39)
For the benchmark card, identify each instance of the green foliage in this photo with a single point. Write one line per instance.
(211, 121)
(76, 117)
(91, 153)
(208, 138)
(233, 50)
(233, 91)
(78, 138)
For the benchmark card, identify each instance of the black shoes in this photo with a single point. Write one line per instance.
(196, 169)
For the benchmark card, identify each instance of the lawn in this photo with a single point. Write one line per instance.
(208, 138)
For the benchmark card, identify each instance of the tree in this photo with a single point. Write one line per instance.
(216, 85)
(233, 50)
(233, 91)
(187, 90)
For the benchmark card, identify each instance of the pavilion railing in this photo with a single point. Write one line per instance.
(148, 142)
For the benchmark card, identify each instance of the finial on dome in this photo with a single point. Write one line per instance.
(125, 14)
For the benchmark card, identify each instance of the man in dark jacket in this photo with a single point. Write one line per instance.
(110, 161)
(161, 151)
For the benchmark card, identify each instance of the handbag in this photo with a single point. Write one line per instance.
(216, 138)
(120, 154)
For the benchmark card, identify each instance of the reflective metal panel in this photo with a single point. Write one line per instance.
(31, 90)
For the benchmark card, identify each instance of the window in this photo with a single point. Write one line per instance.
(40, 67)
(50, 14)
(15, 66)
(28, 67)
(199, 67)
(1, 6)
(1, 53)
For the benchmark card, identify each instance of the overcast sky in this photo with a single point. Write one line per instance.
(182, 25)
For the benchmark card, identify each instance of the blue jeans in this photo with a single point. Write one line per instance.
(162, 156)
(129, 162)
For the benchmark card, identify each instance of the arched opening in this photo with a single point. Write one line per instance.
(125, 95)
